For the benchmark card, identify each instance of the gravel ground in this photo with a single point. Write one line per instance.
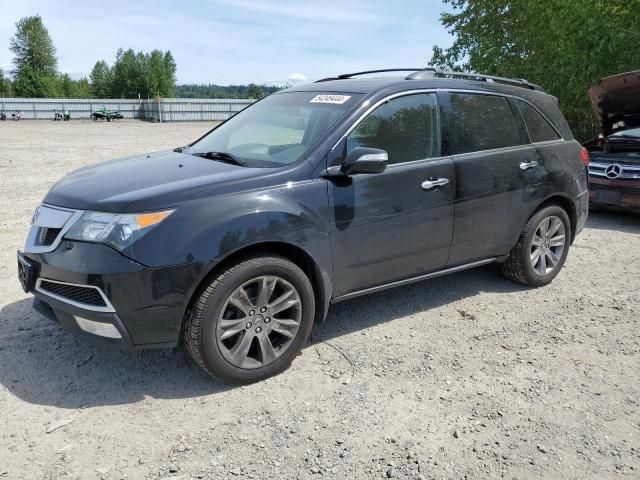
(466, 376)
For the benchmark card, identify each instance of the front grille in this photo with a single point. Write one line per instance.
(627, 170)
(608, 188)
(49, 235)
(77, 293)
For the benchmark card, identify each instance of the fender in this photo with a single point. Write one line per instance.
(295, 214)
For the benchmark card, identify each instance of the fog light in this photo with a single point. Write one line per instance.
(97, 328)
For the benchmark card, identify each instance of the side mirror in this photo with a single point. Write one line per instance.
(365, 160)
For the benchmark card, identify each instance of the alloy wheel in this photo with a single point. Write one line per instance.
(547, 246)
(259, 321)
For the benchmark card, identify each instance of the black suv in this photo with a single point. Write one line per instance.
(314, 195)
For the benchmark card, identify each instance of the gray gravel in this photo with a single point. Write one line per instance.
(466, 376)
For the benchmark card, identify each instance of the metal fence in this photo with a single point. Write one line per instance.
(162, 110)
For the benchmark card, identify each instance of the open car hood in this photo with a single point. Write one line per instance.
(616, 99)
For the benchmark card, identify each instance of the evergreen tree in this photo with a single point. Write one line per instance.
(168, 84)
(254, 91)
(82, 88)
(5, 85)
(69, 88)
(35, 59)
(66, 88)
(220, 91)
(101, 79)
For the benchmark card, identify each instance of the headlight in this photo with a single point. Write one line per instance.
(119, 230)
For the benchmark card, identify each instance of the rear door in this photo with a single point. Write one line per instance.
(396, 224)
(496, 170)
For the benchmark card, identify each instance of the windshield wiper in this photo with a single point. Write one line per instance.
(221, 156)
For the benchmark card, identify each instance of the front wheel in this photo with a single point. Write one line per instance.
(252, 320)
(541, 250)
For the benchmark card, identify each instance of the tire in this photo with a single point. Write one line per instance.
(222, 311)
(523, 266)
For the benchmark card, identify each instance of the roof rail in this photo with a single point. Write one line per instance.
(431, 72)
(344, 76)
(518, 82)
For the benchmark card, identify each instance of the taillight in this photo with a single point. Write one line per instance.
(584, 156)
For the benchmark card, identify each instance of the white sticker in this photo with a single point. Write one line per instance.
(336, 99)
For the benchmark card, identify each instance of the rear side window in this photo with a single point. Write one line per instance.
(405, 127)
(540, 130)
(483, 122)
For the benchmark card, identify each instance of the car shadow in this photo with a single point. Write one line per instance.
(626, 222)
(363, 312)
(42, 364)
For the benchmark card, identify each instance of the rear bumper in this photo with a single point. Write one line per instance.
(614, 193)
(143, 307)
(581, 204)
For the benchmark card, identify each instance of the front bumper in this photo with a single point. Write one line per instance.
(67, 317)
(614, 193)
(143, 307)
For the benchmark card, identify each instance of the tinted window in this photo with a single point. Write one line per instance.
(539, 129)
(483, 122)
(405, 127)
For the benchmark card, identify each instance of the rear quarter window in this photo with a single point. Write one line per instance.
(540, 130)
(483, 122)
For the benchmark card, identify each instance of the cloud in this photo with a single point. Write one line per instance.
(239, 41)
(295, 78)
(328, 11)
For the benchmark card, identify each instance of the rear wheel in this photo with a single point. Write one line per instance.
(252, 320)
(542, 248)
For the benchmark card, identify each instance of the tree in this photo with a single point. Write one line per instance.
(34, 59)
(82, 88)
(66, 87)
(128, 77)
(254, 91)
(564, 45)
(5, 85)
(101, 79)
(155, 72)
(145, 74)
(69, 88)
(168, 84)
(219, 91)
(148, 75)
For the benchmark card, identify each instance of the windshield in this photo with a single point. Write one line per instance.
(276, 131)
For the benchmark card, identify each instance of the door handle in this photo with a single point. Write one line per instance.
(528, 164)
(435, 183)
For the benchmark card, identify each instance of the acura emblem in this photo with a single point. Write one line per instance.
(613, 171)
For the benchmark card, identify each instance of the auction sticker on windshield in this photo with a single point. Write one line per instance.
(336, 99)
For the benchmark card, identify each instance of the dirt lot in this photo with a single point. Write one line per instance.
(468, 376)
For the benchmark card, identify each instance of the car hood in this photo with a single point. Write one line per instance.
(145, 182)
(615, 99)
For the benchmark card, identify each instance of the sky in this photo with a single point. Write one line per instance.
(238, 41)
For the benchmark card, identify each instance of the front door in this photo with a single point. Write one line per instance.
(397, 224)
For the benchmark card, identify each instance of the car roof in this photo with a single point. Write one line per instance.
(382, 86)
(374, 84)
